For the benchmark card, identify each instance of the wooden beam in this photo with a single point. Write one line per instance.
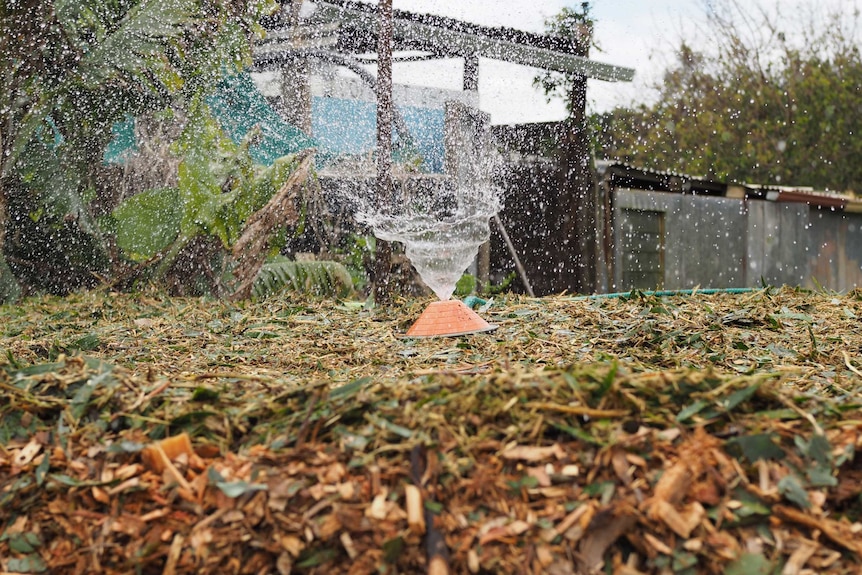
(418, 35)
(471, 73)
(383, 257)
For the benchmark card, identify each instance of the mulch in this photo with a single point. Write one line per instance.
(704, 433)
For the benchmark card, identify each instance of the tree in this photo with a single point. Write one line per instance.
(760, 103)
(574, 257)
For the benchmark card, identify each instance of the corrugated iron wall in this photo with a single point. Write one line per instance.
(715, 242)
(835, 258)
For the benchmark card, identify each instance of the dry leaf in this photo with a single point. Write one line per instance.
(531, 453)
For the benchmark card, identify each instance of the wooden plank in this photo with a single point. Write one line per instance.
(835, 249)
(756, 244)
(793, 241)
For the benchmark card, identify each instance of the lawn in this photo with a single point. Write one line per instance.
(703, 433)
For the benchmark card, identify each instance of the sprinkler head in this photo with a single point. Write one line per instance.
(448, 318)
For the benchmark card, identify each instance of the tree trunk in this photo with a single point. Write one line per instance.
(383, 287)
(576, 261)
(249, 251)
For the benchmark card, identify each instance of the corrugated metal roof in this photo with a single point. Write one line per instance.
(622, 175)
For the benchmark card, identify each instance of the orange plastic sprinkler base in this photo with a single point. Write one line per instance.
(448, 318)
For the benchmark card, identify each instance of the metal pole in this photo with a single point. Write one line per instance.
(518, 265)
(383, 258)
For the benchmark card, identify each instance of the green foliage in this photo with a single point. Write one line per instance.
(359, 257)
(81, 66)
(502, 287)
(466, 285)
(771, 107)
(320, 278)
(219, 187)
(574, 28)
(9, 288)
(71, 69)
(469, 285)
(148, 222)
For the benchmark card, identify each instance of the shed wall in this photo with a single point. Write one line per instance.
(778, 244)
(704, 243)
(835, 253)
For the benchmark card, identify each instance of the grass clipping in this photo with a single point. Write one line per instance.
(703, 434)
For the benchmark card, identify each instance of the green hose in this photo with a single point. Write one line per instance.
(664, 293)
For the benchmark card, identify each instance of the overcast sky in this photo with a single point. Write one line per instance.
(639, 34)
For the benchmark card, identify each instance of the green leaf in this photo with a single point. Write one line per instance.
(351, 439)
(738, 397)
(148, 222)
(72, 482)
(190, 418)
(749, 564)
(392, 549)
(80, 402)
(687, 412)
(87, 343)
(820, 450)
(129, 47)
(780, 414)
(29, 564)
(576, 432)
(758, 446)
(205, 395)
(42, 469)
(792, 315)
(37, 369)
(791, 488)
(214, 477)
(350, 389)
(323, 278)
(25, 542)
(234, 489)
(752, 509)
(384, 423)
(315, 557)
(525, 482)
(683, 560)
(821, 477)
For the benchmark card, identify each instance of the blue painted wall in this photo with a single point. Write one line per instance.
(343, 126)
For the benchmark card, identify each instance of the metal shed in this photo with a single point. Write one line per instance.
(713, 234)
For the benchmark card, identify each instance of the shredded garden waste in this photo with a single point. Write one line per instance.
(705, 433)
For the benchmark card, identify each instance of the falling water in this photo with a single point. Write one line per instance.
(441, 227)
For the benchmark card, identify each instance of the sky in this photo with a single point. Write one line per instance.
(629, 33)
(638, 34)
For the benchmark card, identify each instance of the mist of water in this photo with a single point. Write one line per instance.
(441, 224)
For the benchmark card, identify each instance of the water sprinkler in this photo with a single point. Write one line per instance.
(448, 319)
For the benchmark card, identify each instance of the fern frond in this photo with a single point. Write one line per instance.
(319, 278)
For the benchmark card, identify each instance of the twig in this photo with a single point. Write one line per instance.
(435, 544)
(850, 365)
(145, 398)
(171, 468)
(829, 527)
(306, 422)
(518, 265)
(578, 410)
